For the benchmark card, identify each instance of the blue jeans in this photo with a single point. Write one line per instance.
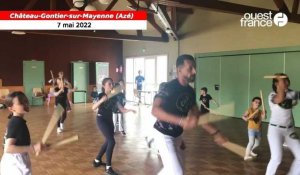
(254, 140)
(254, 133)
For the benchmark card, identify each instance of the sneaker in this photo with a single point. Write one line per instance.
(59, 130)
(97, 164)
(61, 126)
(123, 133)
(253, 154)
(110, 171)
(246, 158)
(149, 144)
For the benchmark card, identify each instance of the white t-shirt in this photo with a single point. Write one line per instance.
(282, 114)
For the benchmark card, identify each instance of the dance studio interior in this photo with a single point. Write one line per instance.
(208, 88)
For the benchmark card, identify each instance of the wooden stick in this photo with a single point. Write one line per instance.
(273, 76)
(53, 79)
(235, 148)
(253, 114)
(116, 90)
(52, 123)
(210, 118)
(65, 141)
(262, 100)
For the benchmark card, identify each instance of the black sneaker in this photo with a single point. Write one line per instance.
(97, 164)
(149, 142)
(110, 171)
(123, 133)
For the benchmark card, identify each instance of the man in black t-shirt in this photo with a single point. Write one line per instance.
(204, 101)
(175, 109)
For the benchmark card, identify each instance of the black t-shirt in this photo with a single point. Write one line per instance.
(62, 97)
(177, 100)
(205, 100)
(17, 129)
(119, 99)
(106, 108)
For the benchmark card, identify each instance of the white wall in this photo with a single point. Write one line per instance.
(208, 31)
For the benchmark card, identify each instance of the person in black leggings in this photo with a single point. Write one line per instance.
(61, 97)
(105, 124)
(69, 86)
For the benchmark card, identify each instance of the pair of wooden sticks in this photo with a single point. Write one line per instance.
(51, 125)
(55, 117)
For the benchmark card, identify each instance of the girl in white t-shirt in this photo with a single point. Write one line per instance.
(281, 126)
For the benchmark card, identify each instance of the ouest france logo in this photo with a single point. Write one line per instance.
(263, 19)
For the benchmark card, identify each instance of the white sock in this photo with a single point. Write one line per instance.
(107, 167)
(97, 161)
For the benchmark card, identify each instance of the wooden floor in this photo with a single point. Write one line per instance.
(131, 155)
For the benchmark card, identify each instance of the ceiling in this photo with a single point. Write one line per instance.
(173, 12)
(268, 4)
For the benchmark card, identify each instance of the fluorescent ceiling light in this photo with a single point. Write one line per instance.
(18, 32)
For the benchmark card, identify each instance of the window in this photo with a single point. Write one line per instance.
(153, 68)
(162, 67)
(129, 70)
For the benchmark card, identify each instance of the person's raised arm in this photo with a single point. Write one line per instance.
(98, 103)
(245, 116)
(58, 92)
